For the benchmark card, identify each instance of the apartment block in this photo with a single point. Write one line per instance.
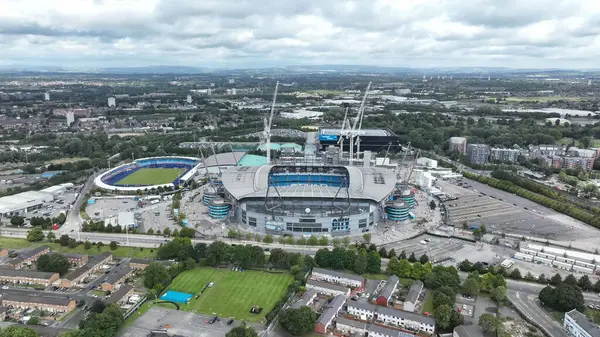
(504, 155)
(458, 144)
(579, 325)
(478, 153)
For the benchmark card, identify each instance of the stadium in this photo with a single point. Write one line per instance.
(148, 173)
(307, 200)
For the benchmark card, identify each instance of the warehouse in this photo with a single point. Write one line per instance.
(528, 251)
(562, 265)
(524, 257)
(543, 260)
(547, 256)
(585, 264)
(22, 203)
(565, 260)
(583, 270)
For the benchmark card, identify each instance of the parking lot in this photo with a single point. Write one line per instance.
(61, 203)
(181, 323)
(504, 212)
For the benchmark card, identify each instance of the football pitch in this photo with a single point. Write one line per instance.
(233, 293)
(152, 176)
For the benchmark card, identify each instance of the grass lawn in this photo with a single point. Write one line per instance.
(428, 304)
(233, 293)
(134, 252)
(152, 176)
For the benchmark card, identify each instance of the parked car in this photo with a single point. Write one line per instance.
(230, 322)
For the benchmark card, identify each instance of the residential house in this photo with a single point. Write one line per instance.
(79, 274)
(116, 277)
(139, 264)
(307, 298)
(328, 288)
(29, 257)
(410, 302)
(385, 296)
(121, 295)
(332, 276)
(398, 318)
(25, 301)
(28, 276)
(331, 310)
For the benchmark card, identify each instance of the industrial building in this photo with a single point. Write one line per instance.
(21, 203)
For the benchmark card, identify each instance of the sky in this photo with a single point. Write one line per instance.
(273, 33)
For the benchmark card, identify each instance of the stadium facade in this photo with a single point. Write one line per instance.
(307, 199)
(111, 180)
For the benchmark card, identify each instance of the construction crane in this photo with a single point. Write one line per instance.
(412, 167)
(342, 135)
(354, 131)
(267, 132)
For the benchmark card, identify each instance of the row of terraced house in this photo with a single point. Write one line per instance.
(348, 316)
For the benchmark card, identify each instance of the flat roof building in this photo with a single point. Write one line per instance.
(24, 202)
(579, 325)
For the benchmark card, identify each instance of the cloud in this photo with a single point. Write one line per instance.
(232, 33)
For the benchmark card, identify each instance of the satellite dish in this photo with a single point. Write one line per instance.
(307, 210)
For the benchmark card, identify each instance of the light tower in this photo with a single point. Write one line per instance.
(267, 132)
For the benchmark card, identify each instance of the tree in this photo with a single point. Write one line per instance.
(167, 231)
(151, 231)
(373, 262)
(51, 236)
(87, 245)
(323, 258)
(585, 283)
(443, 316)
(155, 274)
(242, 331)
(175, 232)
(556, 280)
(298, 322)
(367, 237)
(412, 258)
(542, 279)
(465, 266)
(424, 259)
(323, 241)
(33, 321)
(382, 252)
(187, 232)
(18, 331)
(470, 287)
(516, 274)
(16, 220)
(35, 235)
(55, 263)
(64, 240)
(360, 264)
(597, 286)
(402, 255)
(548, 297)
(313, 241)
(570, 279)
(405, 269)
(569, 297)
(498, 294)
(391, 253)
(432, 205)
(488, 322)
(98, 306)
(114, 245)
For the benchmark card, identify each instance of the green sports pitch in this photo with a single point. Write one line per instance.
(152, 176)
(233, 293)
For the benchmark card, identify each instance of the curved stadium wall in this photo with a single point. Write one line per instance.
(111, 179)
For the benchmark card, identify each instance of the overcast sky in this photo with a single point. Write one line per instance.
(263, 33)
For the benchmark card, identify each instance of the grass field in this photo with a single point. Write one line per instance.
(152, 176)
(133, 252)
(428, 303)
(233, 293)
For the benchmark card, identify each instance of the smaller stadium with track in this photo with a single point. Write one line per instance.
(149, 173)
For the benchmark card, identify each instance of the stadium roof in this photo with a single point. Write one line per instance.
(224, 159)
(362, 132)
(252, 160)
(365, 183)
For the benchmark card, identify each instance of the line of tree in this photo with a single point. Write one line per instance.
(565, 207)
(105, 323)
(356, 259)
(405, 269)
(18, 331)
(564, 297)
(445, 284)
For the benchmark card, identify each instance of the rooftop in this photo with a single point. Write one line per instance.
(118, 295)
(365, 183)
(414, 291)
(26, 273)
(362, 132)
(392, 312)
(59, 301)
(252, 160)
(117, 275)
(584, 322)
(390, 286)
(326, 285)
(338, 274)
(331, 309)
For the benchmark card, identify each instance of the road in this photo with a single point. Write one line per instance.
(74, 221)
(529, 306)
(153, 241)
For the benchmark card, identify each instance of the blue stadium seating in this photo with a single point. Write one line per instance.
(118, 174)
(287, 179)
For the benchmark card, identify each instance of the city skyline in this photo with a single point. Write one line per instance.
(268, 33)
